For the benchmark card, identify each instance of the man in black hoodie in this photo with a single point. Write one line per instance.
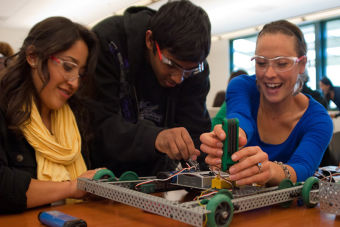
(153, 79)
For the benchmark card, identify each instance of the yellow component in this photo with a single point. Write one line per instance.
(219, 183)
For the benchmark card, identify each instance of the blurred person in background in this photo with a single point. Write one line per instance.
(5, 51)
(330, 92)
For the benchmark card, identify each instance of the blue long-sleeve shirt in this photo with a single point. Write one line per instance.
(304, 147)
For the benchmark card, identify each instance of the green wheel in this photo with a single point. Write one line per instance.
(310, 183)
(128, 176)
(286, 183)
(104, 174)
(222, 211)
(226, 192)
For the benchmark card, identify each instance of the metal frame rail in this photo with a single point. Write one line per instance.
(190, 213)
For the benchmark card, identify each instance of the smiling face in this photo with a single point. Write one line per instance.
(276, 86)
(59, 88)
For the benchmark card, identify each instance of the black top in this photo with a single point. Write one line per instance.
(315, 94)
(336, 99)
(139, 107)
(17, 167)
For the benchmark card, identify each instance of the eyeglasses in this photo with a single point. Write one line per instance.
(71, 69)
(186, 73)
(279, 64)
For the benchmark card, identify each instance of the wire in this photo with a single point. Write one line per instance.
(205, 195)
(324, 177)
(206, 215)
(173, 175)
(217, 173)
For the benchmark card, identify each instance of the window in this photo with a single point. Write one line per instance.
(243, 49)
(309, 34)
(333, 51)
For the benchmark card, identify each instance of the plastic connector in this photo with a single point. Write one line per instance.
(219, 183)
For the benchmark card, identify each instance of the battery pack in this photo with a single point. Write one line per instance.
(56, 218)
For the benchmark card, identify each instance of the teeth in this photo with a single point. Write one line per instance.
(273, 85)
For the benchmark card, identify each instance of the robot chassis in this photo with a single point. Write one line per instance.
(213, 210)
(217, 208)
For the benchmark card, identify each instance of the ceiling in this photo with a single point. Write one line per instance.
(225, 15)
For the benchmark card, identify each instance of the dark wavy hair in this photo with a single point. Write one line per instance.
(183, 29)
(46, 38)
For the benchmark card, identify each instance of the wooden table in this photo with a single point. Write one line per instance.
(107, 213)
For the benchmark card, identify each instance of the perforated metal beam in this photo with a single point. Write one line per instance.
(190, 213)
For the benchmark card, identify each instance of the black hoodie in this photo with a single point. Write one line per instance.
(136, 107)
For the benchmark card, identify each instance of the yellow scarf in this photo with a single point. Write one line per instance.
(58, 156)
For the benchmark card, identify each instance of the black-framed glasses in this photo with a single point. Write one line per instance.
(279, 64)
(186, 73)
(71, 69)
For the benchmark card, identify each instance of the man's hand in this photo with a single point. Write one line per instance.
(177, 144)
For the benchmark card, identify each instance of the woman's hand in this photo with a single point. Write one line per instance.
(212, 145)
(75, 192)
(253, 166)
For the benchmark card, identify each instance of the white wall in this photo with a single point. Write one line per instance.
(218, 60)
(14, 37)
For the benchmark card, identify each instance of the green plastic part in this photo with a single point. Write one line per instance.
(104, 174)
(128, 176)
(204, 201)
(286, 183)
(230, 146)
(310, 183)
(222, 211)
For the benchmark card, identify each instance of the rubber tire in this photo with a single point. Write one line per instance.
(128, 176)
(226, 192)
(104, 174)
(310, 183)
(215, 203)
(286, 183)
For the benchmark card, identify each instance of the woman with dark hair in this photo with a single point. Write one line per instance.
(43, 124)
(283, 133)
(330, 93)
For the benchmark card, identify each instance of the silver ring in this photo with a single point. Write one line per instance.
(259, 165)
